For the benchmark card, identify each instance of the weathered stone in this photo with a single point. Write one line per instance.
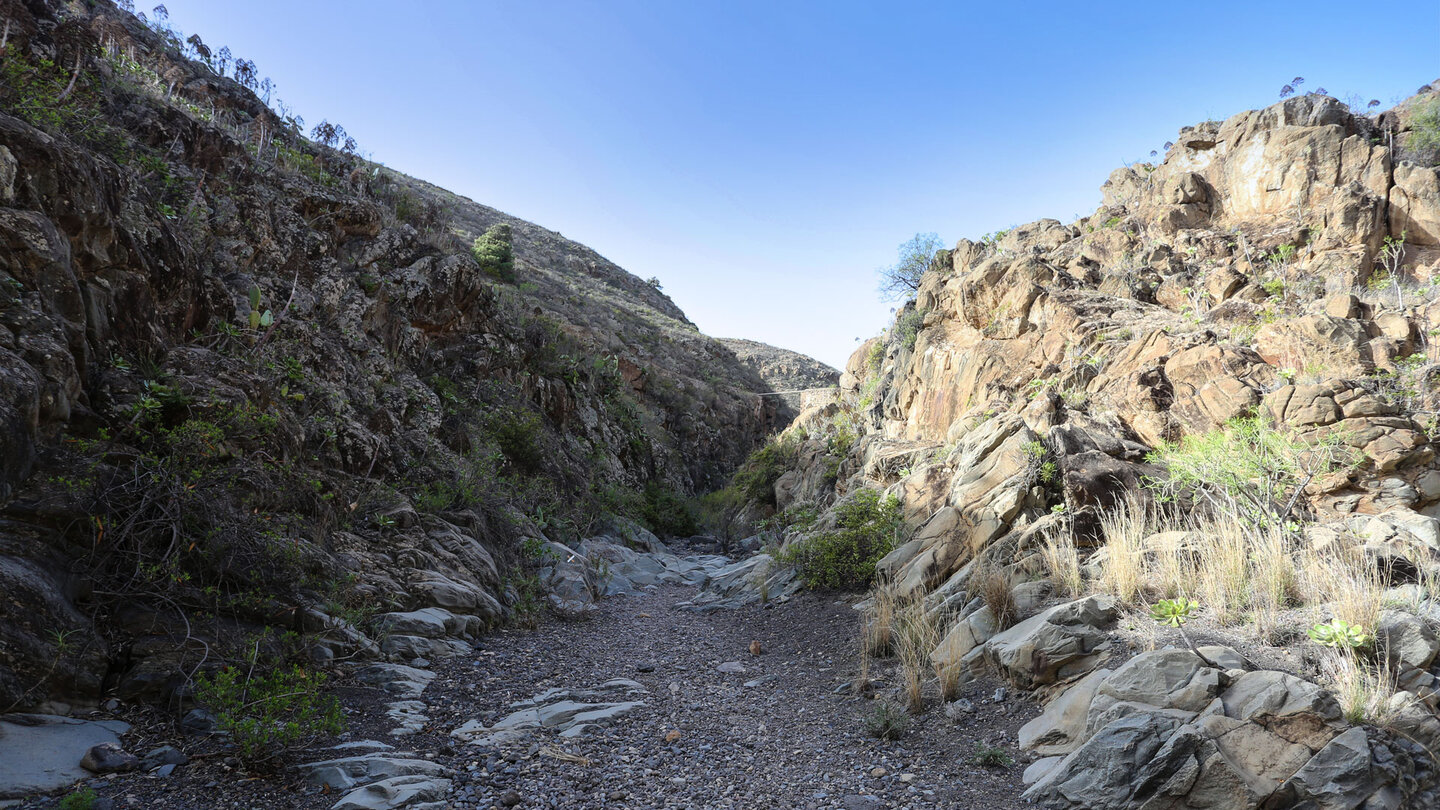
(1063, 642)
(1406, 639)
(1101, 773)
(1339, 776)
(396, 679)
(349, 772)
(1061, 728)
(401, 791)
(109, 758)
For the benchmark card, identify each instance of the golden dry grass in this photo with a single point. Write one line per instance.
(1238, 572)
(1365, 690)
(879, 630)
(1346, 580)
(916, 636)
(1062, 563)
(1124, 572)
(991, 583)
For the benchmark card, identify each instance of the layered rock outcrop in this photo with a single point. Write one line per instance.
(1279, 264)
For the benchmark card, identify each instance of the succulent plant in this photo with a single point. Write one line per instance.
(1340, 634)
(1173, 612)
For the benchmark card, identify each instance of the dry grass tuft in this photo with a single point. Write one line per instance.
(1125, 528)
(1237, 571)
(1222, 578)
(879, 630)
(862, 678)
(991, 583)
(1365, 693)
(917, 636)
(1349, 581)
(1062, 561)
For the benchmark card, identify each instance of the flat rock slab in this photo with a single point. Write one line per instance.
(350, 772)
(42, 752)
(402, 791)
(571, 712)
(396, 679)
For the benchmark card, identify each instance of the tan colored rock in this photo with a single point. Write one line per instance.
(966, 634)
(1345, 305)
(1334, 346)
(1415, 204)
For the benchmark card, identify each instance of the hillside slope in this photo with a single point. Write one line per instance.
(784, 370)
(250, 381)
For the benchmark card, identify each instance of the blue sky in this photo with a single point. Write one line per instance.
(763, 159)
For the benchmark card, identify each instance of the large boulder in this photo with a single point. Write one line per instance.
(1060, 643)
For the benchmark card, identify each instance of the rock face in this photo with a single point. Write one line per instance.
(1165, 730)
(1278, 264)
(784, 370)
(1218, 283)
(204, 314)
(564, 712)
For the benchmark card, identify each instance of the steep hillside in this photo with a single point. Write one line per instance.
(1218, 388)
(251, 381)
(784, 370)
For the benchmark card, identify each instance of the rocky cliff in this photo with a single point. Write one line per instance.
(1264, 295)
(248, 380)
(785, 371)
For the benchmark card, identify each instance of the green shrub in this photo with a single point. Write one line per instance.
(1249, 469)
(755, 480)
(82, 799)
(991, 756)
(876, 357)
(270, 709)
(1425, 126)
(886, 721)
(866, 526)
(668, 513)
(495, 253)
(907, 328)
(517, 435)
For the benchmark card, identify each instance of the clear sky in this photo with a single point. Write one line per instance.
(763, 159)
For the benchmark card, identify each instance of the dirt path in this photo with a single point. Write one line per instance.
(788, 742)
(776, 735)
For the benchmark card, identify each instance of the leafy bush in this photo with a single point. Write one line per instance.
(517, 434)
(876, 356)
(907, 328)
(272, 710)
(1425, 126)
(495, 253)
(902, 279)
(34, 91)
(1248, 469)
(669, 513)
(755, 480)
(866, 528)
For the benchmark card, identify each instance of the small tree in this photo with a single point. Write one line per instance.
(495, 253)
(902, 279)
